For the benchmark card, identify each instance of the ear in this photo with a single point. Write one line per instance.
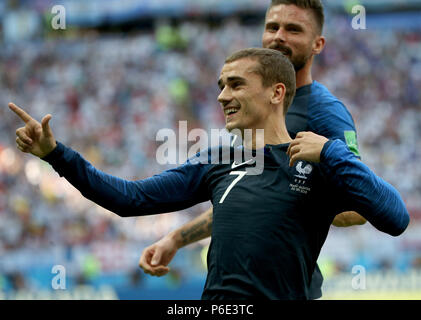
(318, 45)
(278, 93)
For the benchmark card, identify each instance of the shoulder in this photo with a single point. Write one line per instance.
(324, 101)
(327, 115)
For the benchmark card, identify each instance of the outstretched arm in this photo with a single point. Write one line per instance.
(375, 199)
(172, 190)
(155, 258)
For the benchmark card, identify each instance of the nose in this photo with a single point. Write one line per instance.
(280, 35)
(224, 97)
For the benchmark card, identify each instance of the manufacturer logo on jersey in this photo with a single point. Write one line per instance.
(303, 172)
(234, 165)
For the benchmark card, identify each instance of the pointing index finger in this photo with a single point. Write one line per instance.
(22, 114)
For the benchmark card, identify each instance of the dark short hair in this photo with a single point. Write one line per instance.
(315, 6)
(273, 67)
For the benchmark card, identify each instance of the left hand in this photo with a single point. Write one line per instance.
(155, 258)
(306, 146)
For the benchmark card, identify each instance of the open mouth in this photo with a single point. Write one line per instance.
(230, 111)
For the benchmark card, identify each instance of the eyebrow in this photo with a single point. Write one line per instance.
(294, 25)
(271, 24)
(288, 25)
(230, 79)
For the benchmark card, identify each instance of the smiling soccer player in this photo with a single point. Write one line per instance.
(268, 231)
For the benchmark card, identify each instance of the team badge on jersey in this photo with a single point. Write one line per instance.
(303, 172)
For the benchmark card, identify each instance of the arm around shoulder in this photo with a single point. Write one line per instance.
(369, 195)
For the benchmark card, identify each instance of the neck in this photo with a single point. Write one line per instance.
(303, 76)
(274, 133)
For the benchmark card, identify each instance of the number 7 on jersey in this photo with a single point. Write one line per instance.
(240, 174)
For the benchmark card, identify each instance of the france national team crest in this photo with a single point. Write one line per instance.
(304, 172)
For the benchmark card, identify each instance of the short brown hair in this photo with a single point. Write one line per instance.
(316, 7)
(273, 67)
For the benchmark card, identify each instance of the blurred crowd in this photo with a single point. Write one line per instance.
(109, 95)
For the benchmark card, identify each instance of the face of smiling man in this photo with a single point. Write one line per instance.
(244, 99)
(294, 32)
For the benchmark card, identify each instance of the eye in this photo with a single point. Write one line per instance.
(294, 29)
(235, 85)
(272, 27)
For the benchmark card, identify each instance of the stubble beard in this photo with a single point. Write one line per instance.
(298, 61)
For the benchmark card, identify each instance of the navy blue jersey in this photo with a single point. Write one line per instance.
(315, 109)
(267, 229)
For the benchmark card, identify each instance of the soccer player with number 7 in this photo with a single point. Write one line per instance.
(269, 229)
(294, 28)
